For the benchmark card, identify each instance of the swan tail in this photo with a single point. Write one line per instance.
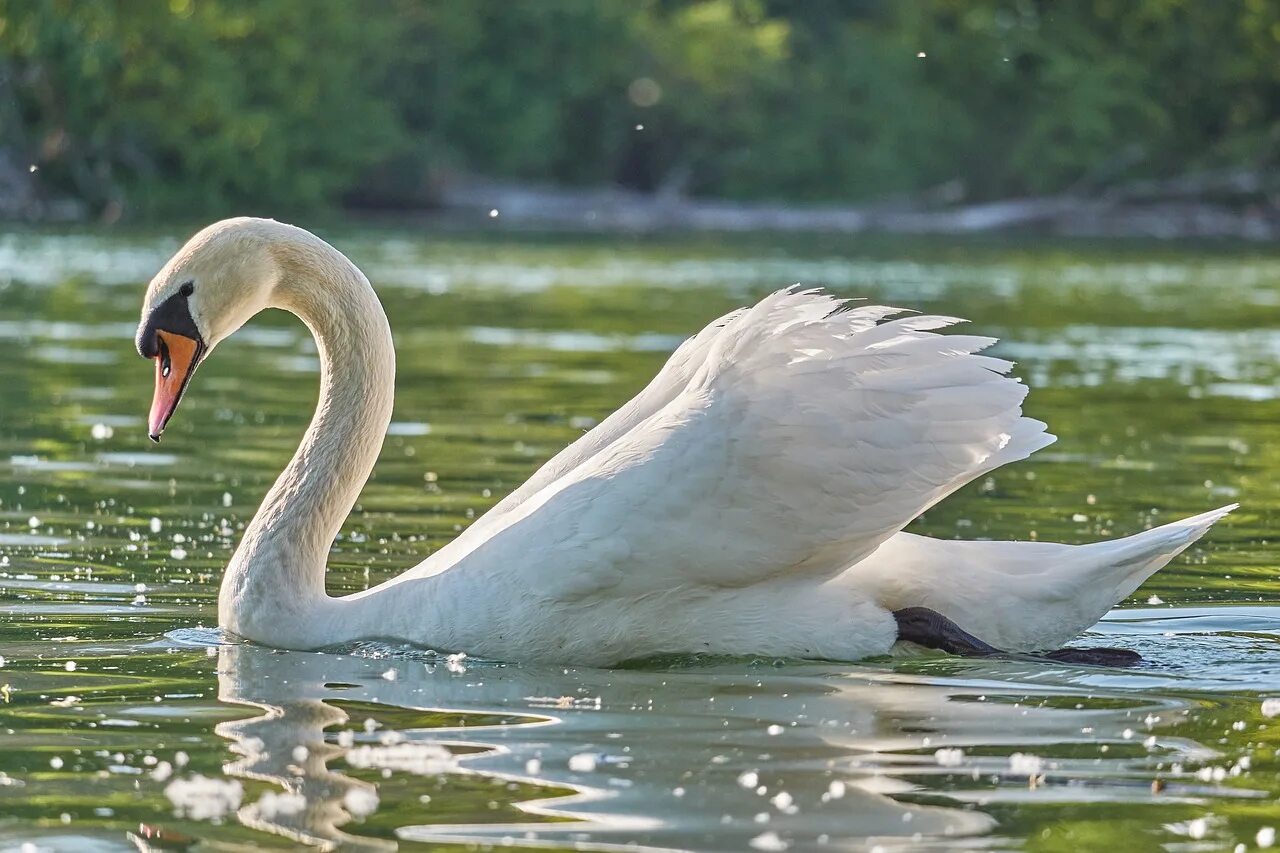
(1130, 561)
(1022, 596)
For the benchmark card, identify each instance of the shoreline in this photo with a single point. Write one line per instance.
(1230, 206)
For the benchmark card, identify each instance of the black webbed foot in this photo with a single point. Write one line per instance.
(1096, 657)
(931, 629)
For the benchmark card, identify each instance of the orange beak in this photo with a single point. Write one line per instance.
(176, 359)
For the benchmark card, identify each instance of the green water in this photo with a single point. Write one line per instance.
(1156, 366)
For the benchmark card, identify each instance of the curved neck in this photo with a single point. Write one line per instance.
(275, 580)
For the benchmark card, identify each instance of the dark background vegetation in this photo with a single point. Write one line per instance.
(154, 107)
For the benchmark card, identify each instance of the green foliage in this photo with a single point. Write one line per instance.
(215, 105)
(1083, 92)
(522, 89)
(197, 103)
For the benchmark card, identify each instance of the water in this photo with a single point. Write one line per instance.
(1157, 367)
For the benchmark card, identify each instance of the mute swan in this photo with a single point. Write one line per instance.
(750, 500)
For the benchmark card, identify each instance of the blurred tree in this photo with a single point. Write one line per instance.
(1063, 93)
(521, 89)
(198, 103)
(217, 105)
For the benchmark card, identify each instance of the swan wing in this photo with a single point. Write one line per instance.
(807, 436)
(670, 381)
(661, 390)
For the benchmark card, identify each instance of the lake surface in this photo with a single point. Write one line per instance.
(124, 712)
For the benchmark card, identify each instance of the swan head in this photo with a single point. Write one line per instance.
(223, 276)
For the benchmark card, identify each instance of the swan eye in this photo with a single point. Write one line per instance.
(187, 288)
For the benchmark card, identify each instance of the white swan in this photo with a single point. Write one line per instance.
(750, 500)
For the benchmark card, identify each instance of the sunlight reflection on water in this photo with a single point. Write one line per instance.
(508, 349)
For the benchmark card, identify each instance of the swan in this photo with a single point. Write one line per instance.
(750, 500)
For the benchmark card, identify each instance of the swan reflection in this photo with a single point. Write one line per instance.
(366, 750)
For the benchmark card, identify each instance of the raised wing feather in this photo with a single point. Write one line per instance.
(670, 381)
(661, 390)
(807, 436)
